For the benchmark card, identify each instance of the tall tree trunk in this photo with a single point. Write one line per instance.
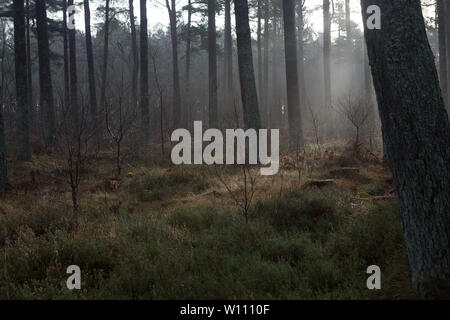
(349, 41)
(188, 66)
(23, 150)
(73, 75)
(301, 50)
(45, 76)
(275, 108)
(134, 52)
(29, 67)
(105, 56)
(265, 90)
(249, 95)
(259, 47)
(212, 64)
(66, 56)
(145, 112)
(290, 49)
(228, 61)
(416, 133)
(176, 108)
(327, 52)
(441, 7)
(90, 62)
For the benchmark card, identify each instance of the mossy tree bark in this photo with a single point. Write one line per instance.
(416, 133)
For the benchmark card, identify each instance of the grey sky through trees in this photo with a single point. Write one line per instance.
(158, 17)
(157, 14)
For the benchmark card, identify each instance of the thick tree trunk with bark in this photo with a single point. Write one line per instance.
(249, 95)
(416, 133)
(145, 112)
(90, 63)
(23, 149)
(327, 52)
(290, 49)
(45, 78)
(212, 64)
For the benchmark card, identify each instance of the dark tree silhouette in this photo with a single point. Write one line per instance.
(249, 95)
(66, 55)
(327, 51)
(187, 88)
(145, 120)
(228, 47)
(73, 74)
(265, 91)
(90, 63)
(134, 51)
(176, 108)
(29, 65)
(212, 64)
(301, 50)
(23, 149)
(105, 54)
(45, 78)
(290, 49)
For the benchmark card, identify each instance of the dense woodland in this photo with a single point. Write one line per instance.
(88, 103)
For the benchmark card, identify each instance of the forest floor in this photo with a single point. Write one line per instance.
(164, 232)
